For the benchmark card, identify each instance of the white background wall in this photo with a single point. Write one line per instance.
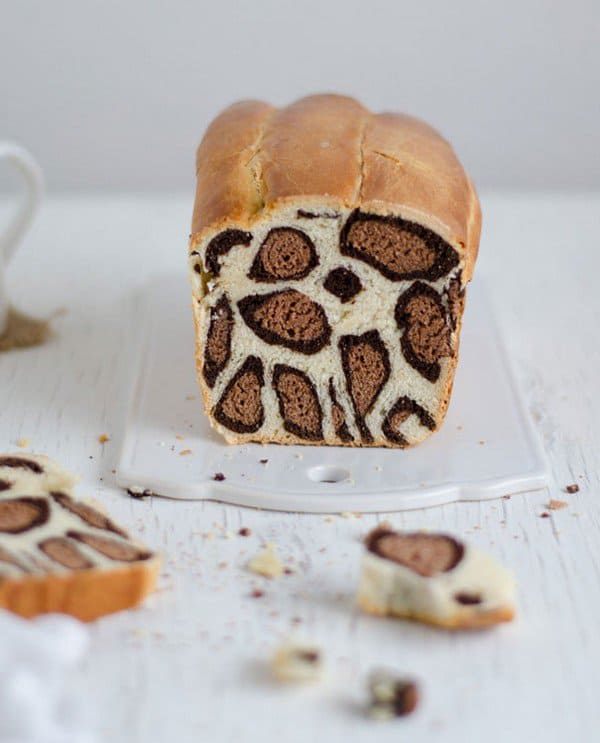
(116, 94)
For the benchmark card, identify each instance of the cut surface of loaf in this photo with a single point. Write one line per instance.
(329, 255)
(58, 554)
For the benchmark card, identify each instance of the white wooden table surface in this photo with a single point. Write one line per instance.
(191, 664)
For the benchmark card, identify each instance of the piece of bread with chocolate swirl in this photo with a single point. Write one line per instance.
(329, 255)
(433, 578)
(58, 554)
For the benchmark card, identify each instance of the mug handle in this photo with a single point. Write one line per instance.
(34, 182)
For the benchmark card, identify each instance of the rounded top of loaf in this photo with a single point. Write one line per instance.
(329, 150)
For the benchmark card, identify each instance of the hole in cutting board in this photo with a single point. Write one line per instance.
(328, 473)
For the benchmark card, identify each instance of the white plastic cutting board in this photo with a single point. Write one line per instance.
(485, 449)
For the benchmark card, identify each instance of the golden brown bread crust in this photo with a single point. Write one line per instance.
(85, 594)
(458, 621)
(331, 148)
(226, 182)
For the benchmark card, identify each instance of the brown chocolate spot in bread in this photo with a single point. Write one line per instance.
(396, 247)
(299, 404)
(342, 283)
(111, 548)
(240, 408)
(455, 299)
(468, 599)
(21, 463)
(366, 365)
(5, 485)
(425, 554)
(426, 338)
(88, 514)
(218, 341)
(338, 417)
(285, 254)
(402, 409)
(65, 553)
(287, 318)
(21, 514)
(222, 244)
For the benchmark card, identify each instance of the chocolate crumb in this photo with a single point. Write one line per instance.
(288, 571)
(544, 515)
(257, 593)
(139, 493)
(263, 461)
(245, 531)
(574, 488)
(391, 697)
(309, 656)
(219, 477)
(468, 599)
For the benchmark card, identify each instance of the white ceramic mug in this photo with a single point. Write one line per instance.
(22, 219)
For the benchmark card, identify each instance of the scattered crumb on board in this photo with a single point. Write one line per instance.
(266, 562)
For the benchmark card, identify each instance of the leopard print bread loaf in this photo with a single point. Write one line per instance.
(329, 255)
(58, 554)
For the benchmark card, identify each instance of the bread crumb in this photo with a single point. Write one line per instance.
(185, 452)
(391, 696)
(297, 663)
(328, 519)
(556, 505)
(103, 438)
(23, 443)
(266, 563)
(348, 515)
(179, 437)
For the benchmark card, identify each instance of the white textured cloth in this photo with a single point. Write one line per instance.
(37, 658)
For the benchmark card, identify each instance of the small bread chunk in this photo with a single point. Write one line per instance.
(297, 663)
(391, 696)
(266, 563)
(433, 578)
(58, 554)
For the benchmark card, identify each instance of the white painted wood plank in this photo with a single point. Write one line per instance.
(190, 665)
